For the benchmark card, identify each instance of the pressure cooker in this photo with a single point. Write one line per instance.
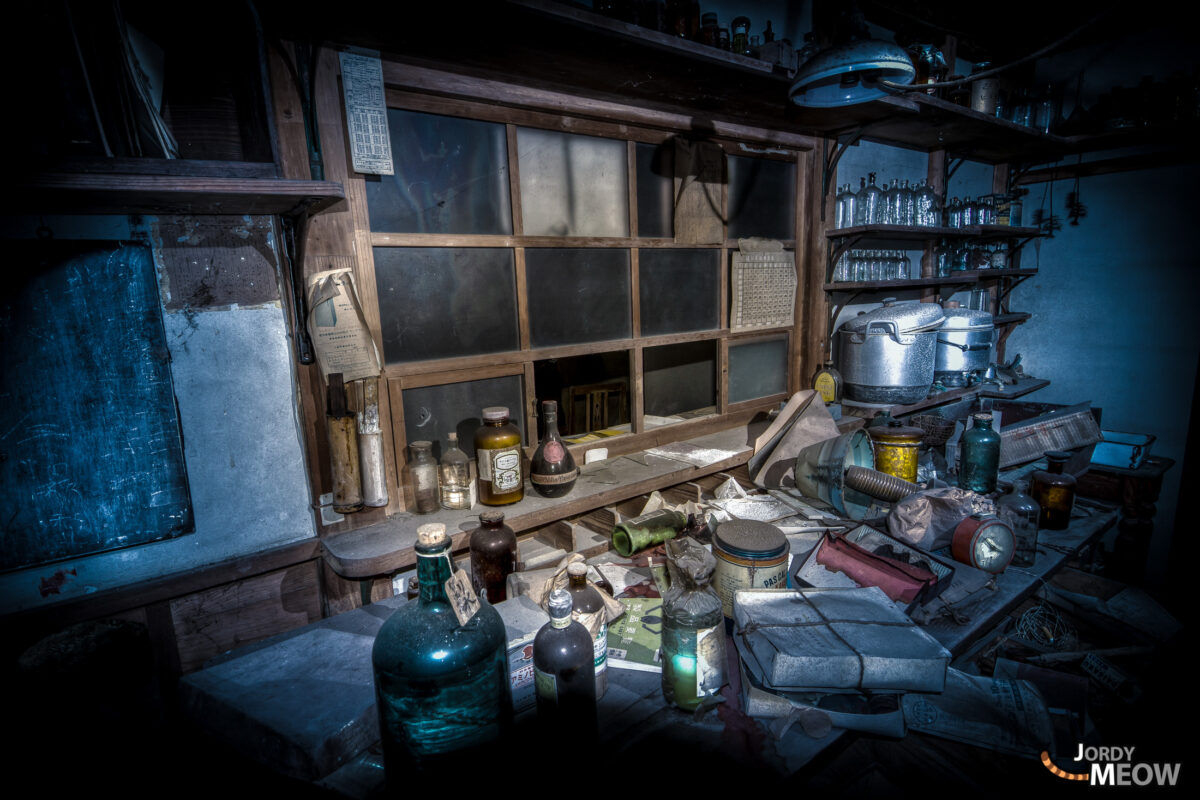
(886, 355)
(964, 346)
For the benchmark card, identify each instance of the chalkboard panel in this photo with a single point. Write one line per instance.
(578, 295)
(678, 378)
(757, 369)
(91, 451)
(431, 412)
(680, 290)
(762, 198)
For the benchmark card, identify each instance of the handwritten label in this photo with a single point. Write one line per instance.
(462, 596)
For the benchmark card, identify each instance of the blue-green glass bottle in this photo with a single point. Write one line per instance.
(442, 688)
(979, 456)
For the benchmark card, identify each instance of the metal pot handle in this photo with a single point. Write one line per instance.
(889, 327)
(966, 348)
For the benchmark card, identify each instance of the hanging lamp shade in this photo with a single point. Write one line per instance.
(850, 73)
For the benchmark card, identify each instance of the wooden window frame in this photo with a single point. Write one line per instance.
(426, 90)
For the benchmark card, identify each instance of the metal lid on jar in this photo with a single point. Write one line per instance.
(560, 604)
(909, 317)
(896, 431)
(495, 412)
(967, 319)
(748, 538)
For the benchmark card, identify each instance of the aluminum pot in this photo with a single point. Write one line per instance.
(964, 345)
(887, 355)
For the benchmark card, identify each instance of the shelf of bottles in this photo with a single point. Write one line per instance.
(957, 278)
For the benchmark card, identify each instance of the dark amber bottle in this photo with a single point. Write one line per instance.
(1054, 491)
(552, 469)
(564, 675)
(493, 555)
(586, 599)
(498, 455)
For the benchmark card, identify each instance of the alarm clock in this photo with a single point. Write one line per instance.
(983, 541)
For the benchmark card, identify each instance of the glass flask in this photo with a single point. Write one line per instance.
(890, 214)
(423, 477)
(498, 457)
(845, 207)
(907, 205)
(454, 474)
(860, 203)
(954, 213)
(1054, 491)
(493, 547)
(1021, 512)
(928, 209)
(693, 631)
(586, 599)
(872, 201)
(564, 674)
(442, 688)
(979, 456)
(552, 469)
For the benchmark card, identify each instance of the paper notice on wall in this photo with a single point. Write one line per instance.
(338, 328)
(366, 114)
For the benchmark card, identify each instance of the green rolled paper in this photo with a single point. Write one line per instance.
(647, 530)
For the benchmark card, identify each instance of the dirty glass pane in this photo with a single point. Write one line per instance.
(431, 412)
(757, 369)
(572, 185)
(451, 176)
(679, 380)
(441, 302)
(592, 390)
(679, 290)
(656, 189)
(762, 198)
(577, 295)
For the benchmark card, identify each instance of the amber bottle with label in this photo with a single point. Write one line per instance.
(493, 555)
(498, 456)
(1054, 491)
(552, 469)
(587, 602)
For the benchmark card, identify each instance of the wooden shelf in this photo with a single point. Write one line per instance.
(122, 193)
(386, 547)
(1020, 389)
(956, 279)
(1015, 318)
(921, 233)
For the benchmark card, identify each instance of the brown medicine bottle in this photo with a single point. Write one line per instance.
(498, 455)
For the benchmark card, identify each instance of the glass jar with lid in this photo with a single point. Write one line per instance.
(423, 477)
(1054, 490)
(1022, 514)
(498, 457)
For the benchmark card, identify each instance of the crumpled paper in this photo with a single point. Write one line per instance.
(539, 583)
(927, 519)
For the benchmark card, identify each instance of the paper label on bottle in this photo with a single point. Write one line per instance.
(505, 469)
(462, 596)
(710, 660)
(550, 480)
(553, 451)
(484, 457)
(546, 685)
(825, 386)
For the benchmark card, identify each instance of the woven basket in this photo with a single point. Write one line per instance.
(937, 429)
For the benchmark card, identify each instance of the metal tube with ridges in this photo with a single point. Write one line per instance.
(879, 485)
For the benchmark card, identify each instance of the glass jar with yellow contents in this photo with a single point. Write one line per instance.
(897, 449)
(498, 456)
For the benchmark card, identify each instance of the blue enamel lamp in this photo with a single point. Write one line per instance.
(850, 74)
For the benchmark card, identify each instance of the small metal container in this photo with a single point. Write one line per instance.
(896, 449)
(750, 555)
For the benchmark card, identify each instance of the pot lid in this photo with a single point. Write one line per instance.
(909, 317)
(967, 319)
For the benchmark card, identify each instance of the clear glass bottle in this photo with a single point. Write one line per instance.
(493, 547)
(845, 207)
(564, 675)
(979, 456)
(586, 599)
(860, 203)
(552, 469)
(423, 477)
(890, 213)
(954, 213)
(442, 689)
(1054, 491)
(693, 630)
(872, 201)
(928, 209)
(907, 205)
(498, 457)
(454, 475)
(1021, 513)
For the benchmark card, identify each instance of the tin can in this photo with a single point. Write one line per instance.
(897, 448)
(750, 555)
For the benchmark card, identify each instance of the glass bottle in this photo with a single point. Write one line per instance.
(845, 207)
(907, 201)
(423, 477)
(442, 688)
(493, 547)
(860, 203)
(455, 475)
(979, 456)
(586, 600)
(1054, 491)
(564, 674)
(872, 202)
(928, 208)
(890, 215)
(498, 456)
(693, 629)
(552, 469)
(954, 213)
(740, 31)
(1021, 513)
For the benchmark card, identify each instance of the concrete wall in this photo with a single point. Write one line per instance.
(234, 379)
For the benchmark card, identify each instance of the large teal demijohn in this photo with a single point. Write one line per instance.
(442, 688)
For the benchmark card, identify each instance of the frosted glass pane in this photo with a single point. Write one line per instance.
(679, 290)
(578, 295)
(441, 302)
(572, 185)
(757, 369)
(680, 378)
(451, 176)
(656, 189)
(762, 198)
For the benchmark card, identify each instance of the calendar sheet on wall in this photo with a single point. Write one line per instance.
(764, 286)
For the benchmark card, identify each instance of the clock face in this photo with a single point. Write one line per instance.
(984, 542)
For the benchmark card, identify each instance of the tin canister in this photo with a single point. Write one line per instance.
(896, 449)
(750, 555)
